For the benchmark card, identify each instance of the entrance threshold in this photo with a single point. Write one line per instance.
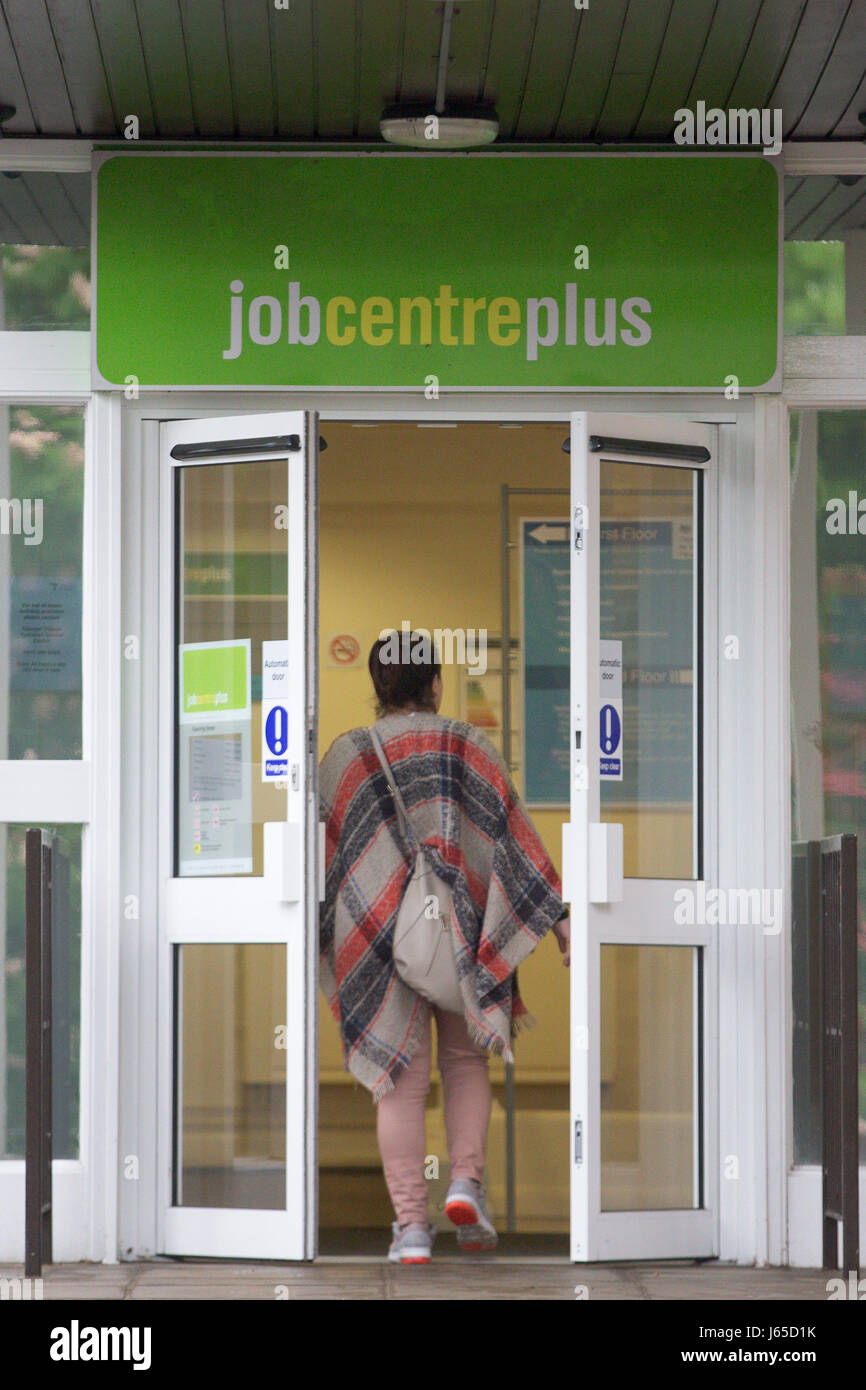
(371, 1243)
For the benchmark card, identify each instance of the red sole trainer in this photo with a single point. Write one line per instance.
(415, 1260)
(461, 1213)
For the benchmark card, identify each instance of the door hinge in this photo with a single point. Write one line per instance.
(578, 1141)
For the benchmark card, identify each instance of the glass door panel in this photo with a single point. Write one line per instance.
(231, 1081)
(232, 599)
(649, 566)
(650, 1096)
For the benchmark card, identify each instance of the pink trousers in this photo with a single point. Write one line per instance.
(400, 1115)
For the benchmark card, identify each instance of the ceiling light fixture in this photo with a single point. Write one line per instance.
(421, 127)
(440, 124)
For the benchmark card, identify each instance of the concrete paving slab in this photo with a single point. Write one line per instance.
(446, 1278)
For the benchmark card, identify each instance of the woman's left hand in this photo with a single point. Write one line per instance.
(562, 932)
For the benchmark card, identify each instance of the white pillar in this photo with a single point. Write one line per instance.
(806, 728)
(5, 555)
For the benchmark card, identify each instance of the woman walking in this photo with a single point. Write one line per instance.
(465, 816)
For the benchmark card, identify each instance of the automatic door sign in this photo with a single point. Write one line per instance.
(275, 711)
(610, 715)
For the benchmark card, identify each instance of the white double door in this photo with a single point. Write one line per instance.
(240, 852)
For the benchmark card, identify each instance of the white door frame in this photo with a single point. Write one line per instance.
(637, 1234)
(208, 909)
(750, 991)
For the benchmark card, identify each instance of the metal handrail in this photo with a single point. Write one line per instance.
(38, 1236)
(825, 1023)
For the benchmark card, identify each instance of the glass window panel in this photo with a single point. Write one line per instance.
(648, 567)
(41, 510)
(828, 704)
(650, 1117)
(231, 1087)
(233, 596)
(825, 254)
(66, 994)
(44, 251)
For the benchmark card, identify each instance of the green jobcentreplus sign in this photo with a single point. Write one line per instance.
(414, 271)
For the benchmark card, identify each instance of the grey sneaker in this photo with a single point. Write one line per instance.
(466, 1208)
(412, 1244)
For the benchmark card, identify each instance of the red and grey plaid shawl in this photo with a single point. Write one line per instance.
(475, 833)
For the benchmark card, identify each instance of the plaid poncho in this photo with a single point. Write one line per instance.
(478, 838)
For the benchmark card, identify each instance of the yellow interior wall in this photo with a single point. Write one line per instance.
(410, 529)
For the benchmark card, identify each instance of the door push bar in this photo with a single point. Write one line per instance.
(691, 453)
(644, 448)
(210, 448)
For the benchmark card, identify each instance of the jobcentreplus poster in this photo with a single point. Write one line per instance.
(471, 271)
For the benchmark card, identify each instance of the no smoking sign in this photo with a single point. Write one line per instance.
(343, 649)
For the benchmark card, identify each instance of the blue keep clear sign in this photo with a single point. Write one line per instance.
(275, 711)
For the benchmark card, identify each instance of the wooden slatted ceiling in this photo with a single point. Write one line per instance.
(821, 209)
(324, 69)
(679, 55)
(45, 210)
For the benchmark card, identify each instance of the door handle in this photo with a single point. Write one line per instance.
(321, 861)
(282, 853)
(570, 888)
(605, 863)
